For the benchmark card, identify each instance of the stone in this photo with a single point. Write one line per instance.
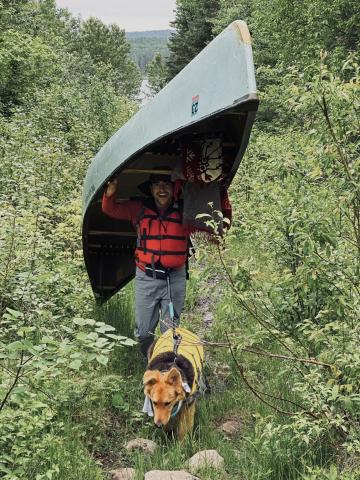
(209, 458)
(231, 427)
(123, 474)
(147, 446)
(169, 475)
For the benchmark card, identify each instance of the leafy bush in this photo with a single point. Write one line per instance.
(296, 273)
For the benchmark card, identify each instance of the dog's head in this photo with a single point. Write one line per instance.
(165, 390)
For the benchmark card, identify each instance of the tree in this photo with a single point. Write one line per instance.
(25, 64)
(156, 71)
(194, 30)
(289, 32)
(107, 45)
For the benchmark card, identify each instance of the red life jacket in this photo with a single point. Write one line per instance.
(161, 238)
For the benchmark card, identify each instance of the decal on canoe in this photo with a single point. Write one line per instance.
(195, 105)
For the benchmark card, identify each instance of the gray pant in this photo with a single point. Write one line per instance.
(151, 296)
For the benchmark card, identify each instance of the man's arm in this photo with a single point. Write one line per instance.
(127, 210)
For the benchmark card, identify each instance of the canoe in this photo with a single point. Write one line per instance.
(215, 92)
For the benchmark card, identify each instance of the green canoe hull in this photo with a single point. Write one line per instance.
(215, 92)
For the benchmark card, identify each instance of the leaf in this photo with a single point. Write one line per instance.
(117, 400)
(335, 392)
(104, 328)
(83, 321)
(76, 364)
(15, 346)
(115, 337)
(129, 342)
(102, 359)
(14, 313)
(75, 355)
(92, 336)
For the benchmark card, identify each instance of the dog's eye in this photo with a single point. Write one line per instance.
(155, 404)
(167, 404)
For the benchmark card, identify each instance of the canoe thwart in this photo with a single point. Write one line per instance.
(118, 234)
(147, 170)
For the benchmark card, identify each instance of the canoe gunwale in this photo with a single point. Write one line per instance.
(250, 98)
(248, 104)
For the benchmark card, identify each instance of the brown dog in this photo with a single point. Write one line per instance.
(172, 381)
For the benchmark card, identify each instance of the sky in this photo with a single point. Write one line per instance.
(132, 15)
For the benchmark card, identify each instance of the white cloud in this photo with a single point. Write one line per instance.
(132, 15)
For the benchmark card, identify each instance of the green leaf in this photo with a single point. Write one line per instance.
(104, 328)
(117, 400)
(84, 321)
(129, 342)
(14, 313)
(102, 359)
(335, 392)
(115, 337)
(76, 364)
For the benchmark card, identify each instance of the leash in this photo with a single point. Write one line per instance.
(176, 337)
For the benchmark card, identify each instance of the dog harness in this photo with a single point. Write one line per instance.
(188, 345)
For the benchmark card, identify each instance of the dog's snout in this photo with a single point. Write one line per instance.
(158, 423)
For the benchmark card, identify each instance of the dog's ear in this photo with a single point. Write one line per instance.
(173, 377)
(151, 377)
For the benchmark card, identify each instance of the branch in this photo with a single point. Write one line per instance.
(325, 111)
(285, 357)
(30, 384)
(257, 395)
(17, 376)
(263, 323)
(6, 268)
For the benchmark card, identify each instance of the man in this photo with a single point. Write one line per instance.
(160, 256)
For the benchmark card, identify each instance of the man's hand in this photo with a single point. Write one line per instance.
(111, 187)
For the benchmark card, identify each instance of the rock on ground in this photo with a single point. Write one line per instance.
(123, 474)
(147, 446)
(231, 427)
(169, 475)
(209, 458)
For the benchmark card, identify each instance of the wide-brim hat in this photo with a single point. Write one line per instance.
(154, 177)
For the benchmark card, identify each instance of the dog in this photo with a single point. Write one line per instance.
(173, 380)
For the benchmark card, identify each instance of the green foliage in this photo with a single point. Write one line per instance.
(143, 48)
(297, 203)
(25, 64)
(107, 45)
(193, 23)
(285, 34)
(59, 106)
(54, 45)
(156, 71)
(68, 393)
(292, 32)
(333, 473)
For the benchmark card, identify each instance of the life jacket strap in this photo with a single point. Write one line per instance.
(161, 237)
(163, 218)
(161, 252)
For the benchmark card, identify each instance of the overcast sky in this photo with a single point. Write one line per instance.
(132, 15)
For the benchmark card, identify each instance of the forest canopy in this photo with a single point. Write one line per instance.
(284, 288)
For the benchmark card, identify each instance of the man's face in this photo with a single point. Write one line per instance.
(162, 193)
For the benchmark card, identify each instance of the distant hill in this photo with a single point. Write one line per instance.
(150, 34)
(144, 45)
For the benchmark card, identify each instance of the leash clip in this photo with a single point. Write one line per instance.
(176, 342)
